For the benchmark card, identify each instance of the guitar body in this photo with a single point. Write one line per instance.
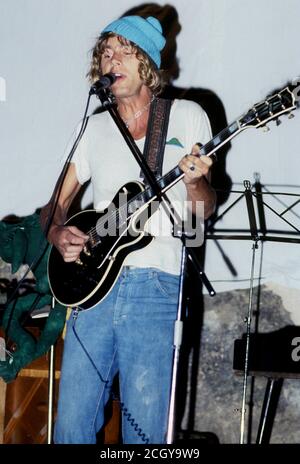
(87, 281)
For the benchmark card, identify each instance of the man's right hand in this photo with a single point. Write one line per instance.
(69, 241)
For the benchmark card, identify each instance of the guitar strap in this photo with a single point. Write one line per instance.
(156, 135)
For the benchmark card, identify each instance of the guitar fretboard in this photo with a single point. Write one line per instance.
(176, 173)
(220, 139)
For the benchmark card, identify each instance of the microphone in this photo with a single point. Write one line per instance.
(103, 83)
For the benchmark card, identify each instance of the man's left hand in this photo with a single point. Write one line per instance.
(195, 166)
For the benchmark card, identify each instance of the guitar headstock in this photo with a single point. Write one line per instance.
(280, 102)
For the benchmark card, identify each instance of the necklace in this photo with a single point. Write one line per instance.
(138, 113)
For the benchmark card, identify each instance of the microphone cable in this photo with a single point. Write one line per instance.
(42, 248)
(124, 410)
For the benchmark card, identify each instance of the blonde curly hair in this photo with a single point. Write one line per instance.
(152, 77)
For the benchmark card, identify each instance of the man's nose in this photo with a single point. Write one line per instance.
(116, 57)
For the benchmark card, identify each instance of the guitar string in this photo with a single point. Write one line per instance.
(113, 219)
(114, 216)
(271, 108)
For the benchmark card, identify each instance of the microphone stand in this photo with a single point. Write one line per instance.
(248, 319)
(150, 178)
(257, 234)
(186, 251)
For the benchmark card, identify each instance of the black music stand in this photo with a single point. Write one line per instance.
(256, 235)
(274, 355)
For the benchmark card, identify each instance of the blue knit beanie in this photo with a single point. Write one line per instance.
(144, 32)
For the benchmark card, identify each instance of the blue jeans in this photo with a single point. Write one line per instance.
(130, 332)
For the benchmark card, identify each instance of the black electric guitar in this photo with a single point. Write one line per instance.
(119, 229)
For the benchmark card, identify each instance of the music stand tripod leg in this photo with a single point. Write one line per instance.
(268, 411)
(51, 385)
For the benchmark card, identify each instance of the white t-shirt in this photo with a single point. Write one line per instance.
(103, 156)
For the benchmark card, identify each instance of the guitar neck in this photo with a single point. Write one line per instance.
(173, 176)
(270, 108)
(281, 102)
(258, 115)
(220, 139)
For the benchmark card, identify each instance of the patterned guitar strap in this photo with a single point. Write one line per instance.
(156, 135)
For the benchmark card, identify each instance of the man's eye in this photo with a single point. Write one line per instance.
(127, 51)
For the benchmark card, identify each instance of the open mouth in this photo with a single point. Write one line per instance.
(119, 76)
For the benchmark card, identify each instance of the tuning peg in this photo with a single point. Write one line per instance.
(291, 116)
(265, 128)
(278, 122)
